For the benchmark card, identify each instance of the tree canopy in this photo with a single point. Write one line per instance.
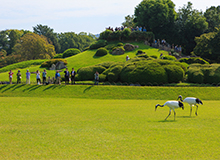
(32, 46)
(157, 16)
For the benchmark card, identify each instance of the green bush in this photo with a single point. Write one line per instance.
(106, 35)
(175, 73)
(120, 44)
(70, 52)
(168, 57)
(87, 73)
(106, 64)
(151, 72)
(192, 60)
(102, 77)
(101, 52)
(126, 33)
(195, 75)
(58, 55)
(98, 44)
(142, 56)
(48, 63)
(154, 56)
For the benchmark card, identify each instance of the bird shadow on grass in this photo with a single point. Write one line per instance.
(167, 121)
(87, 89)
(186, 116)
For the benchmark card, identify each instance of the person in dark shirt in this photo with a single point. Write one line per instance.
(67, 76)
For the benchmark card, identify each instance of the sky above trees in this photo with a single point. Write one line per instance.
(91, 16)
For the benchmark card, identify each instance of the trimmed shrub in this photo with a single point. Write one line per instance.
(106, 64)
(193, 60)
(48, 63)
(58, 55)
(101, 52)
(98, 44)
(106, 35)
(151, 72)
(195, 75)
(120, 44)
(87, 73)
(102, 77)
(168, 57)
(70, 52)
(142, 56)
(153, 56)
(175, 73)
(126, 33)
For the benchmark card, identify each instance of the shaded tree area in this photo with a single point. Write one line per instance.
(157, 16)
(177, 27)
(208, 46)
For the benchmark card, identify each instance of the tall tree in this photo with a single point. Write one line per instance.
(73, 40)
(157, 16)
(189, 24)
(208, 46)
(49, 33)
(129, 21)
(32, 46)
(212, 16)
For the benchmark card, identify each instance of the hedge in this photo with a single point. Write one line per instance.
(192, 60)
(87, 73)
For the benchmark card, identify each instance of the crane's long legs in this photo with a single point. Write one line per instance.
(168, 115)
(196, 110)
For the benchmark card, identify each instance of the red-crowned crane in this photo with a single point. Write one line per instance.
(192, 101)
(172, 105)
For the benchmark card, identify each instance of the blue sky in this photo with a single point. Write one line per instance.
(91, 16)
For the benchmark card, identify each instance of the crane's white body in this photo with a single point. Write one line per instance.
(192, 101)
(172, 105)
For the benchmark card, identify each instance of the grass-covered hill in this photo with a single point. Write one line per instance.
(82, 59)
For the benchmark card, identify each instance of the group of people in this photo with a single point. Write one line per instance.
(69, 76)
(140, 28)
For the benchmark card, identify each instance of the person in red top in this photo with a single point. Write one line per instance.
(10, 76)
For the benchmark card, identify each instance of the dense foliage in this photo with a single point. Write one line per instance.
(98, 44)
(126, 35)
(204, 73)
(32, 46)
(192, 60)
(156, 16)
(138, 70)
(208, 46)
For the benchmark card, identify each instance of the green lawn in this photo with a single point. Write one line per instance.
(77, 128)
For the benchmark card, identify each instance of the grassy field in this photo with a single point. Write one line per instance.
(83, 59)
(77, 128)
